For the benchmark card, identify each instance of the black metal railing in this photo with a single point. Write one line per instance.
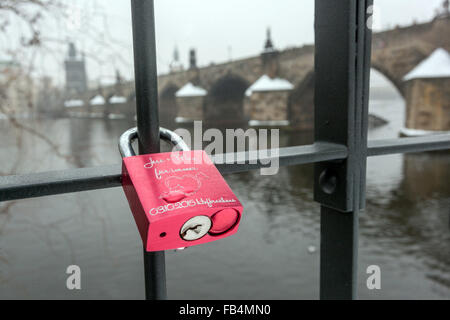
(340, 151)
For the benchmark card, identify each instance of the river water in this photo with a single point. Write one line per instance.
(405, 228)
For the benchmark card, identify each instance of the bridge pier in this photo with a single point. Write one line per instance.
(190, 108)
(428, 104)
(428, 95)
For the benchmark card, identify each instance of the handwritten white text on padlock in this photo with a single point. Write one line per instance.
(188, 203)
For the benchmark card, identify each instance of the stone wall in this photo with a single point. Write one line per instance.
(268, 106)
(190, 107)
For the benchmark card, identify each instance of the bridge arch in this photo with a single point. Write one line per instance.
(398, 83)
(386, 104)
(301, 104)
(226, 97)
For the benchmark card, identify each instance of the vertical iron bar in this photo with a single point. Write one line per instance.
(342, 64)
(338, 254)
(367, 43)
(145, 70)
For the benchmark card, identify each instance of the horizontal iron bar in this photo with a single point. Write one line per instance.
(409, 145)
(85, 179)
(58, 182)
(74, 180)
(290, 156)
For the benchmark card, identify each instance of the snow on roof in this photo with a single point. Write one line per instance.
(117, 99)
(419, 133)
(73, 103)
(437, 65)
(183, 120)
(97, 100)
(265, 83)
(268, 123)
(189, 90)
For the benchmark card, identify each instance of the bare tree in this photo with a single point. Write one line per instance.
(20, 51)
(17, 80)
(18, 90)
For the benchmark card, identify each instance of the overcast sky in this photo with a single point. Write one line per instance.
(217, 29)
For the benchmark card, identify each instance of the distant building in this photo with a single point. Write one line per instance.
(75, 66)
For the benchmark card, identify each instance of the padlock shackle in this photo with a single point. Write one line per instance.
(127, 138)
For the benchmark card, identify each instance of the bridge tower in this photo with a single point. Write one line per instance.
(75, 67)
(192, 59)
(175, 65)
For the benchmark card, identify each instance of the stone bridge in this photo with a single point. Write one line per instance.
(395, 53)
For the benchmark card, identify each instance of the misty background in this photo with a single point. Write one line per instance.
(219, 30)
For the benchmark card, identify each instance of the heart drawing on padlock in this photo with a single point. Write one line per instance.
(182, 187)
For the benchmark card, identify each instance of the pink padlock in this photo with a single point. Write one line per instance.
(179, 199)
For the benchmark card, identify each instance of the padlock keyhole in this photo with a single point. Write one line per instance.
(163, 234)
(195, 228)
